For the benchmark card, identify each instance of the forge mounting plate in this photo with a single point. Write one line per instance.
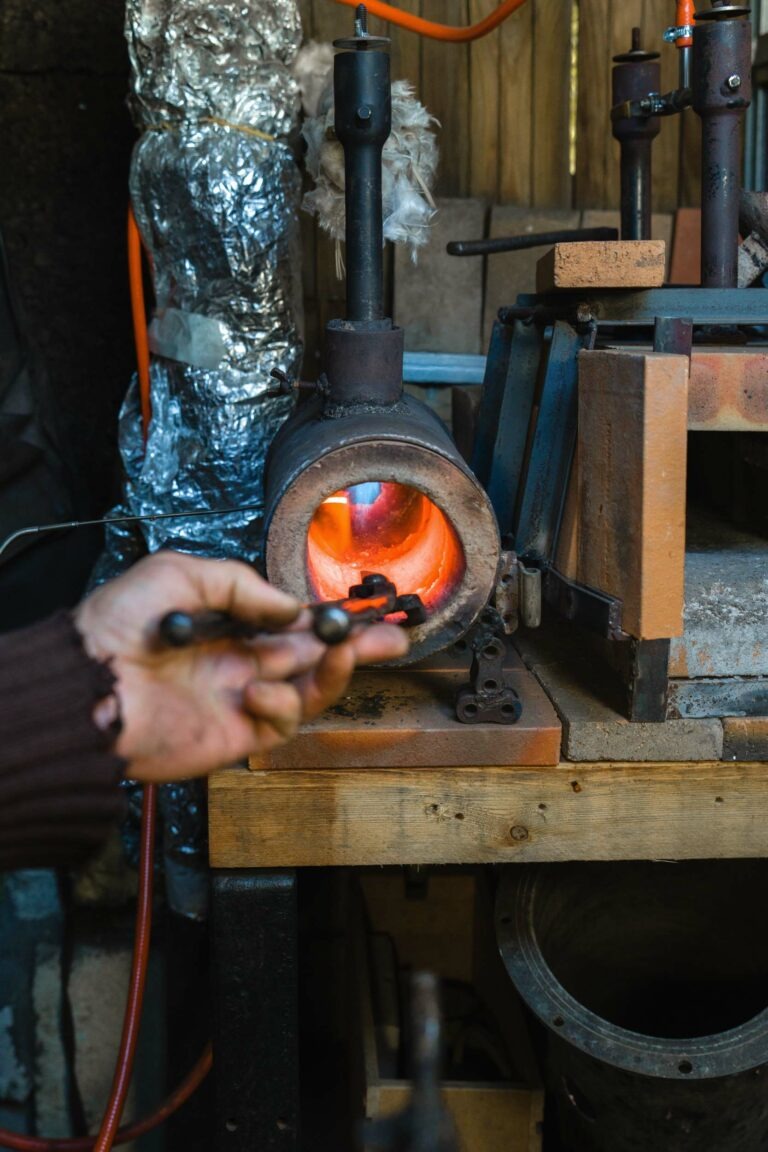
(405, 717)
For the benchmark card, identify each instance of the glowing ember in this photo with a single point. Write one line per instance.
(389, 528)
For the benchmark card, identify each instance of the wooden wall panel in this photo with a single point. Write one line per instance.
(484, 121)
(551, 105)
(444, 88)
(593, 141)
(515, 103)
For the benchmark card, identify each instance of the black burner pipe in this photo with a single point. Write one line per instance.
(363, 121)
(722, 91)
(635, 75)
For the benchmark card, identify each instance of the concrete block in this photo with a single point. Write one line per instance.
(439, 300)
(50, 1073)
(14, 1078)
(586, 694)
(726, 614)
(592, 730)
(745, 738)
(602, 264)
(97, 989)
(718, 696)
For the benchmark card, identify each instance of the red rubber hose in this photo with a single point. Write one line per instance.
(171, 1104)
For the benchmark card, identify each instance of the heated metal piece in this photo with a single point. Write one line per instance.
(488, 699)
(650, 980)
(424, 1125)
(722, 91)
(332, 622)
(636, 74)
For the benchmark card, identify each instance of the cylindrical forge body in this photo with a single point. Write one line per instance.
(652, 982)
(377, 488)
(722, 91)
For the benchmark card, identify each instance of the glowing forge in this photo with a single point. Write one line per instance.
(389, 528)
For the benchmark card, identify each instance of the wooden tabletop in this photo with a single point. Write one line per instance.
(287, 818)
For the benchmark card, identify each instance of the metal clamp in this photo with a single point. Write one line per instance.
(488, 699)
(682, 32)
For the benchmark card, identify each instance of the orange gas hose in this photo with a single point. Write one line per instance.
(685, 18)
(139, 314)
(434, 31)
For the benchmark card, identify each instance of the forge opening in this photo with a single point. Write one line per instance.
(389, 528)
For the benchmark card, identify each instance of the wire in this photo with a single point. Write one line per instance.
(139, 314)
(434, 31)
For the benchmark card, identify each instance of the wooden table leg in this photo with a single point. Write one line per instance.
(256, 1057)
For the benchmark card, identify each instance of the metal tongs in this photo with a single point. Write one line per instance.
(332, 620)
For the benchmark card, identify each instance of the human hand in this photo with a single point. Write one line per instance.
(188, 711)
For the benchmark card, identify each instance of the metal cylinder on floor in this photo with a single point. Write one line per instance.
(652, 983)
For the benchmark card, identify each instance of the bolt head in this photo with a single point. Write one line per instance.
(734, 82)
(364, 113)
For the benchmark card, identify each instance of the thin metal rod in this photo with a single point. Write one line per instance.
(533, 240)
(67, 525)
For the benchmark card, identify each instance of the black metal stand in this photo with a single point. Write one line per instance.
(255, 1009)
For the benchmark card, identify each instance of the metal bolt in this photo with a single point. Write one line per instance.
(364, 113)
(734, 82)
(519, 833)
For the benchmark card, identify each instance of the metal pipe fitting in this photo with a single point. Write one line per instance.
(722, 92)
(651, 981)
(636, 74)
(363, 122)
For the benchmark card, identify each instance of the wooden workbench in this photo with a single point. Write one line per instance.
(374, 816)
(265, 824)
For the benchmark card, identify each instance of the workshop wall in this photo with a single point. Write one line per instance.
(524, 113)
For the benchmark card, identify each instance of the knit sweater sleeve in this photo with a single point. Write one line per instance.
(59, 778)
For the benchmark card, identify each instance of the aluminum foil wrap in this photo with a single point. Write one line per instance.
(215, 190)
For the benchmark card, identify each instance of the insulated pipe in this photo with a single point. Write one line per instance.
(651, 981)
(722, 91)
(635, 75)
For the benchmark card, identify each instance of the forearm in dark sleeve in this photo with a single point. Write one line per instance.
(59, 779)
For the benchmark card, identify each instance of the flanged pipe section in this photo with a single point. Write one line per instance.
(652, 983)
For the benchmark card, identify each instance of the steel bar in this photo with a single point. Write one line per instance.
(552, 445)
(739, 306)
(635, 74)
(496, 244)
(363, 121)
(722, 91)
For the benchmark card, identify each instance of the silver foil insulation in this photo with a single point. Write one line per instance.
(215, 190)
